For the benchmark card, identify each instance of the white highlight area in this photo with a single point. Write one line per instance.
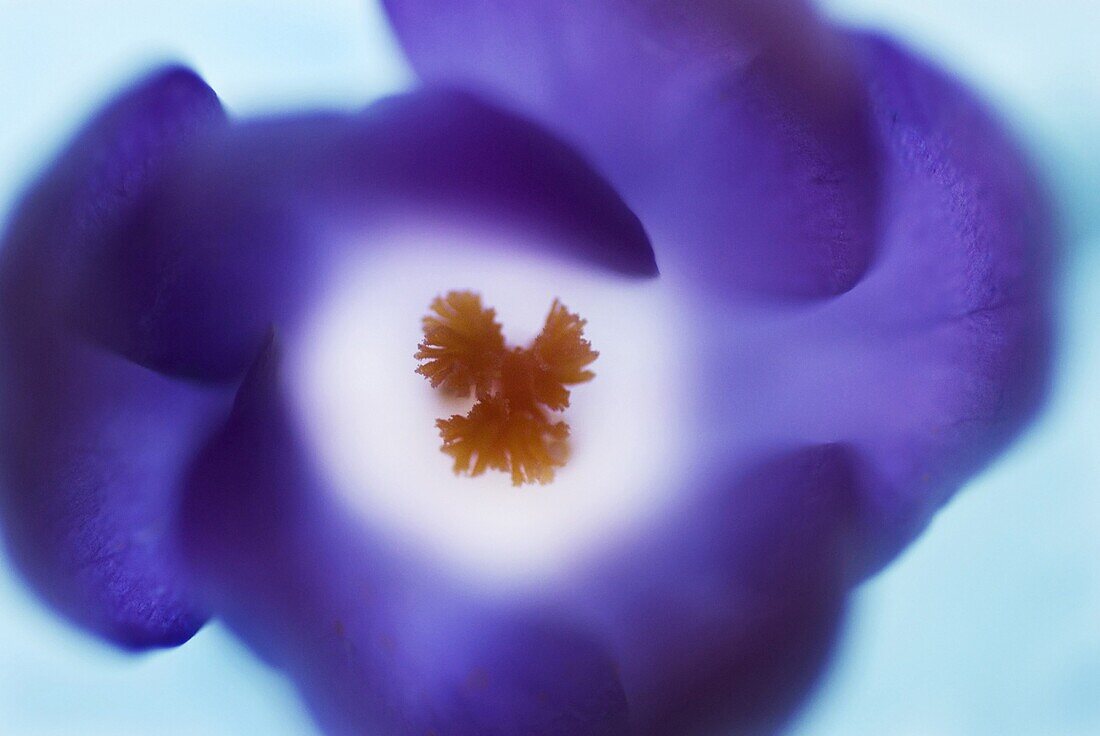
(370, 419)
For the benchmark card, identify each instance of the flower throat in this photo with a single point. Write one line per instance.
(512, 427)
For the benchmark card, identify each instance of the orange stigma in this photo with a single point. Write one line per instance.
(511, 427)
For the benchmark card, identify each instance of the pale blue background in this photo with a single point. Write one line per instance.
(990, 624)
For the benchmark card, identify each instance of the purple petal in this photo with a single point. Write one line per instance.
(721, 616)
(724, 616)
(736, 130)
(93, 449)
(941, 354)
(243, 230)
(956, 318)
(92, 445)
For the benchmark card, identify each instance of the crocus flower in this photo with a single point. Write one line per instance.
(816, 271)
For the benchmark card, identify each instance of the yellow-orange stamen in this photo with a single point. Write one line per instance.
(462, 345)
(563, 355)
(492, 436)
(509, 428)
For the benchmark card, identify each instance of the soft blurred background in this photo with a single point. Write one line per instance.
(990, 624)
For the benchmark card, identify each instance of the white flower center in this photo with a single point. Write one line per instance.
(370, 419)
